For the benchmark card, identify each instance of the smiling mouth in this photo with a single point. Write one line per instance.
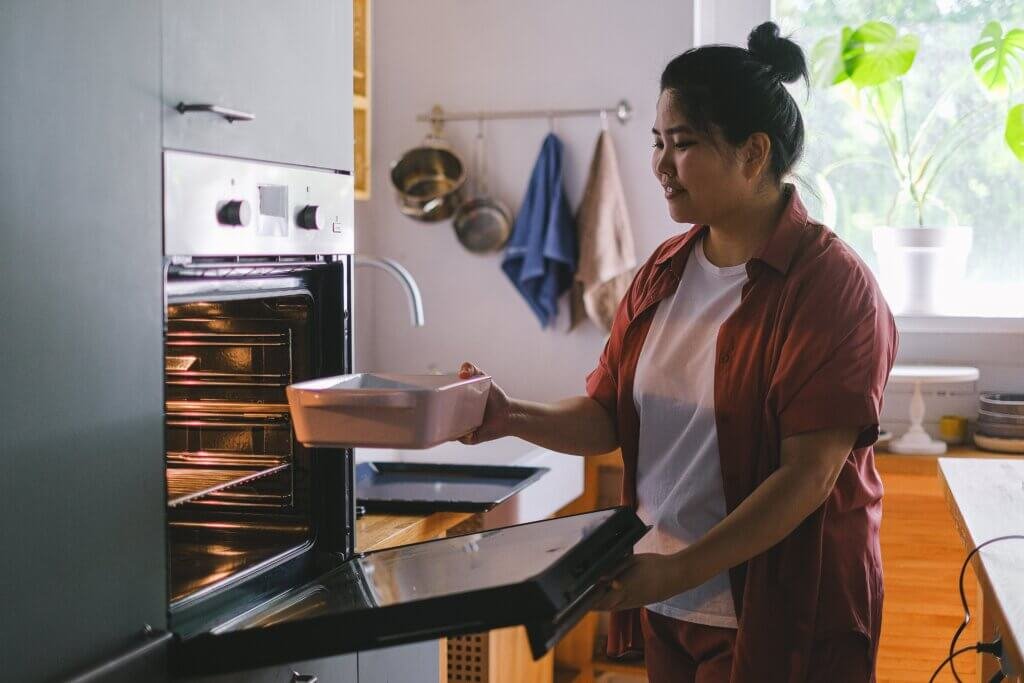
(671, 191)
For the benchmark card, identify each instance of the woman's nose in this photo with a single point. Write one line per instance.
(662, 164)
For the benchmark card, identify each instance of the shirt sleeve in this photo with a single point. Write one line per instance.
(601, 386)
(834, 366)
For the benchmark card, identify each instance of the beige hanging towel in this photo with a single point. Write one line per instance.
(607, 257)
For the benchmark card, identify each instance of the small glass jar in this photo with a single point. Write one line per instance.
(953, 429)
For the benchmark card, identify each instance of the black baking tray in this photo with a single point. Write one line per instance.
(432, 487)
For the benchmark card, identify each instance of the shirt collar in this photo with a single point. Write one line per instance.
(777, 252)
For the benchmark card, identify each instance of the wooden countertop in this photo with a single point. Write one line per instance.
(986, 497)
(377, 531)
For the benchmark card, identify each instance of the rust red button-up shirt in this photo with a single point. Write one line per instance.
(809, 348)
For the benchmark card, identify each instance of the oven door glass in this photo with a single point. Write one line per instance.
(542, 575)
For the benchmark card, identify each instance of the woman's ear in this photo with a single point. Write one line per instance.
(755, 155)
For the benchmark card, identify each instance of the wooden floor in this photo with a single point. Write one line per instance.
(921, 557)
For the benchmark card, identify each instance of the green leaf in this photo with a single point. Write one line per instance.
(827, 65)
(998, 58)
(1015, 131)
(875, 54)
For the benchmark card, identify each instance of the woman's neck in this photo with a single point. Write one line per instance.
(739, 236)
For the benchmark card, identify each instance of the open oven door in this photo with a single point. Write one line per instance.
(543, 575)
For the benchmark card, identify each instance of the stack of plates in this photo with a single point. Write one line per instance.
(1001, 423)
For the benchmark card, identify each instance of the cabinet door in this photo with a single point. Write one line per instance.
(82, 482)
(342, 669)
(288, 64)
(415, 663)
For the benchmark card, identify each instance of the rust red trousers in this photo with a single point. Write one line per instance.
(681, 652)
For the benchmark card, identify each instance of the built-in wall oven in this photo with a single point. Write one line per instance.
(262, 566)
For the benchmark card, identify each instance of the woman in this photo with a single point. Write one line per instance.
(742, 381)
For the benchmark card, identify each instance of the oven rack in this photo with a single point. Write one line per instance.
(223, 459)
(197, 474)
(186, 484)
(227, 379)
(218, 408)
(200, 339)
(205, 415)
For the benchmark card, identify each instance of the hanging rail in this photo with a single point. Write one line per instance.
(437, 116)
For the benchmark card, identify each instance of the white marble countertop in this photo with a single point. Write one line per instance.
(986, 497)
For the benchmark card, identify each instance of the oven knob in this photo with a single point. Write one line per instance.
(310, 218)
(234, 212)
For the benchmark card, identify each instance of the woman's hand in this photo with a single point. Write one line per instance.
(578, 425)
(648, 578)
(497, 414)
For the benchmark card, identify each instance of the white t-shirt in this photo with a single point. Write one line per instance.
(679, 476)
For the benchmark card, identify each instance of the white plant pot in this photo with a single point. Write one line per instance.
(920, 270)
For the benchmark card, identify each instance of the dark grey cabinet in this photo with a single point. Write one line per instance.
(415, 663)
(288, 64)
(83, 567)
(86, 106)
(343, 669)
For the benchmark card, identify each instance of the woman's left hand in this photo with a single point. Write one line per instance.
(648, 578)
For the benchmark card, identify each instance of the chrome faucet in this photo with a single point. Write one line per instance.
(404, 277)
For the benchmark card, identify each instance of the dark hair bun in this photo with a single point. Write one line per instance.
(783, 57)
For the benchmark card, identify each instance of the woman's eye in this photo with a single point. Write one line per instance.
(657, 145)
(684, 144)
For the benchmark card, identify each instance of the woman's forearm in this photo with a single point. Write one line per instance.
(766, 517)
(769, 514)
(763, 519)
(759, 522)
(810, 465)
(577, 425)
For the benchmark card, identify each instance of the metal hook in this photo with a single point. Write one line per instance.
(436, 121)
(479, 160)
(482, 186)
(551, 122)
(604, 120)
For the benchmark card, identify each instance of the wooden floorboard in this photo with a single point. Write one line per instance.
(921, 557)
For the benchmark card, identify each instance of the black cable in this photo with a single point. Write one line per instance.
(997, 677)
(949, 660)
(963, 600)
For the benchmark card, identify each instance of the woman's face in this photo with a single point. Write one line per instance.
(704, 178)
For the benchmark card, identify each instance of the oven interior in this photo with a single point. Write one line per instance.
(238, 483)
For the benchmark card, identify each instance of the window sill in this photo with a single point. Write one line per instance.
(959, 324)
(973, 308)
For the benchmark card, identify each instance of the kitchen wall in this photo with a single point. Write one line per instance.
(489, 54)
(997, 353)
(534, 54)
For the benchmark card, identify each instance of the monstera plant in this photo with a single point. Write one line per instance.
(869, 65)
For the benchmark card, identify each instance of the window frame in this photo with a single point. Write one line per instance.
(730, 21)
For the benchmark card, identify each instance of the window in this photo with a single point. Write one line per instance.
(846, 177)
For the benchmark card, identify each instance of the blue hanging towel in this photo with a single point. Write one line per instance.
(542, 251)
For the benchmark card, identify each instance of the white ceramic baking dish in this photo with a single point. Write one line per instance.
(371, 410)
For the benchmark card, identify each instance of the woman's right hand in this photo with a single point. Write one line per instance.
(497, 414)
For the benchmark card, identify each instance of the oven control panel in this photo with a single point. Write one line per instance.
(218, 206)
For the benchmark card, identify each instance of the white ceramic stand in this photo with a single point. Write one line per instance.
(916, 440)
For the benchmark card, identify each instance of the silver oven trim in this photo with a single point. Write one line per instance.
(198, 186)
